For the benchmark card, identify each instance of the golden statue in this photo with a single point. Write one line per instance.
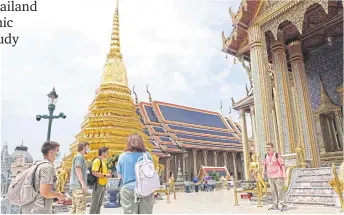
(340, 179)
(224, 182)
(257, 174)
(61, 175)
(171, 182)
(301, 157)
(337, 183)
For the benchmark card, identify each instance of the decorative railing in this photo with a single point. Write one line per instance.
(7, 207)
(309, 186)
(247, 187)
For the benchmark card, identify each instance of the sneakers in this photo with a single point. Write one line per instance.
(273, 208)
(284, 208)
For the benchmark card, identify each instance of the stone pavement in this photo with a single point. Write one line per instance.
(219, 202)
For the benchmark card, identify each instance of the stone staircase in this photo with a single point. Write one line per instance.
(310, 186)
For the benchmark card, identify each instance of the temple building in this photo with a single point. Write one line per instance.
(292, 52)
(173, 133)
(21, 159)
(191, 137)
(12, 165)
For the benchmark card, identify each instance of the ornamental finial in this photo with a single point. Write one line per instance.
(150, 97)
(233, 102)
(221, 107)
(230, 111)
(323, 95)
(136, 99)
(115, 48)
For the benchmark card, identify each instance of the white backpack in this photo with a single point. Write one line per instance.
(147, 179)
(22, 189)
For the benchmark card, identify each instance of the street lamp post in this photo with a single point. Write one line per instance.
(52, 99)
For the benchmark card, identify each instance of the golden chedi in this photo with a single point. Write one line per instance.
(112, 115)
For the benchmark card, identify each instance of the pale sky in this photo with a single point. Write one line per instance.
(174, 46)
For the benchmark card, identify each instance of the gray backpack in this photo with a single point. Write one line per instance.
(22, 188)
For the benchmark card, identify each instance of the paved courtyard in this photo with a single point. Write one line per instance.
(218, 202)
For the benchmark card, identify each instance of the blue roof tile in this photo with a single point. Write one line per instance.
(151, 115)
(146, 132)
(191, 117)
(165, 139)
(213, 145)
(201, 131)
(158, 129)
(209, 139)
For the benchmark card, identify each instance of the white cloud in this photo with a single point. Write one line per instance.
(174, 46)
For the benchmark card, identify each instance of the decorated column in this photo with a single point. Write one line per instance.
(275, 127)
(256, 36)
(234, 164)
(215, 157)
(253, 124)
(168, 168)
(283, 96)
(225, 159)
(185, 158)
(205, 157)
(245, 143)
(320, 134)
(303, 101)
(194, 155)
(339, 122)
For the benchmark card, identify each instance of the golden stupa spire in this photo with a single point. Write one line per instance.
(114, 69)
(115, 48)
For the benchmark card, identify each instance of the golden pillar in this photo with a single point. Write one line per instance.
(234, 164)
(205, 157)
(283, 97)
(215, 157)
(245, 143)
(194, 155)
(259, 76)
(303, 101)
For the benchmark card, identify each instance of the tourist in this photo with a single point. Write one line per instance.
(126, 170)
(275, 169)
(44, 180)
(101, 172)
(78, 179)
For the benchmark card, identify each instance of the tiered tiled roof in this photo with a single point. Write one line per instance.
(156, 148)
(177, 128)
(234, 126)
(156, 130)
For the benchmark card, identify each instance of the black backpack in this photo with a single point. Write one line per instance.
(91, 179)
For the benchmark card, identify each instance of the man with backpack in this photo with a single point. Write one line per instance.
(37, 198)
(78, 179)
(100, 171)
(275, 170)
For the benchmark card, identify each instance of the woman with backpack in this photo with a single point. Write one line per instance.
(136, 198)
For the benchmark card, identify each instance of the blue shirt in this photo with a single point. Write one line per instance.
(126, 167)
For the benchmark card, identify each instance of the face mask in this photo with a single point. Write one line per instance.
(58, 155)
(88, 150)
